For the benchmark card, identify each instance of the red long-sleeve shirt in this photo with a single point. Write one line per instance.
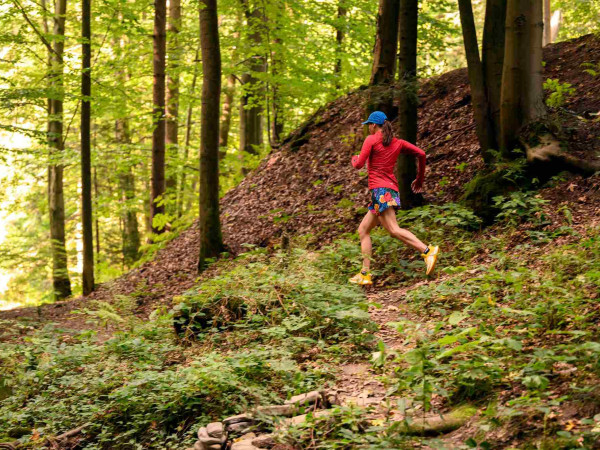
(383, 159)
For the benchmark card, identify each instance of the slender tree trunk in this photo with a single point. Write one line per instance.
(547, 23)
(484, 127)
(229, 92)
(56, 202)
(251, 102)
(522, 93)
(493, 61)
(129, 233)
(188, 134)
(97, 222)
(86, 161)
(158, 135)
(211, 242)
(276, 71)
(340, 27)
(406, 170)
(172, 125)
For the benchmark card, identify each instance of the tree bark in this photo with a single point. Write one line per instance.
(172, 124)
(130, 233)
(56, 202)
(276, 70)
(340, 26)
(96, 222)
(158, 135)
(522, 93)
(252, 96)
(406, 169)
(547, 23)
(188, 134)
(211, 241)
(493, 61)
(386, 43)
(86, 162)
(483, 125)
(229, 92)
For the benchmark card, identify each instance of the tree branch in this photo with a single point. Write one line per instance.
(41, 36)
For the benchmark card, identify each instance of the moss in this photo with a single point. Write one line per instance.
(434, 425)
(480, 191)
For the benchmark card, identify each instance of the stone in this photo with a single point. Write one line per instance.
(199, 446)
(264, 441)
(332, 399)
(240, 427)
(246, 444)
(277, 410)
(309, 398)
(237, 419)
(297, 420)
(215, 429)
(207, 440)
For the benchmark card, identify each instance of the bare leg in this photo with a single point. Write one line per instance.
(388, 221)
(369, 222)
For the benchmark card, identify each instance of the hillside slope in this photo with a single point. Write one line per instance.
(309, 188)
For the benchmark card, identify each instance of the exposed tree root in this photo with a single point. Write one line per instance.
(547, 158)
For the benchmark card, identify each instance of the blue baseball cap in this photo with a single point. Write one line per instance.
(377, 118)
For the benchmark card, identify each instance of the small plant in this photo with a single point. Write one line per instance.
(519, 207)
(559, 92)
(592, 69)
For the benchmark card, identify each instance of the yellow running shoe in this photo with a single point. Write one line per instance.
(361, 278)
(431, 258)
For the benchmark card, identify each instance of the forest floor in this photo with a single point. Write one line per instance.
(506, 326)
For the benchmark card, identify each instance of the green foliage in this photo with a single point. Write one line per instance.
(559, 92)
(143, 388)
(513, 323)
(343, 428)
(592, 69)
(281, 298)
(520, 207)
(447, 215)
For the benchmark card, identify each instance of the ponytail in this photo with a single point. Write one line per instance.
(387, 133)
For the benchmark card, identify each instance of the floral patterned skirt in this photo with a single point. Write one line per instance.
(382, 199)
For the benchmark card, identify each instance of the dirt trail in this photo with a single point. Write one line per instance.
(359, 382)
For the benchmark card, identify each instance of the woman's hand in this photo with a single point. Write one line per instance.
(417, 187)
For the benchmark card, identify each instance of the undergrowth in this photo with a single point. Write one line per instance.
(512, 332)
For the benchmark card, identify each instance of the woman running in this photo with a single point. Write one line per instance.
(381, 149)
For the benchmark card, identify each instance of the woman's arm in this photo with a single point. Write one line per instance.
(358, 161)
(411, 149)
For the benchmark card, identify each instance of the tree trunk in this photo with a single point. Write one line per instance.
(86, 163)
(56, 202)
(158, 135)
(172, 125)
(522, 93)
(406, 170)
(493, 61)
(229, 92)
(381, 94)
(547, 23)
(340, 27)
(484, 127)
(252, 96)
(211, 242)
(188, 134)
(96, 222)
(130, 233)
(386, 43)
(276, 71)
